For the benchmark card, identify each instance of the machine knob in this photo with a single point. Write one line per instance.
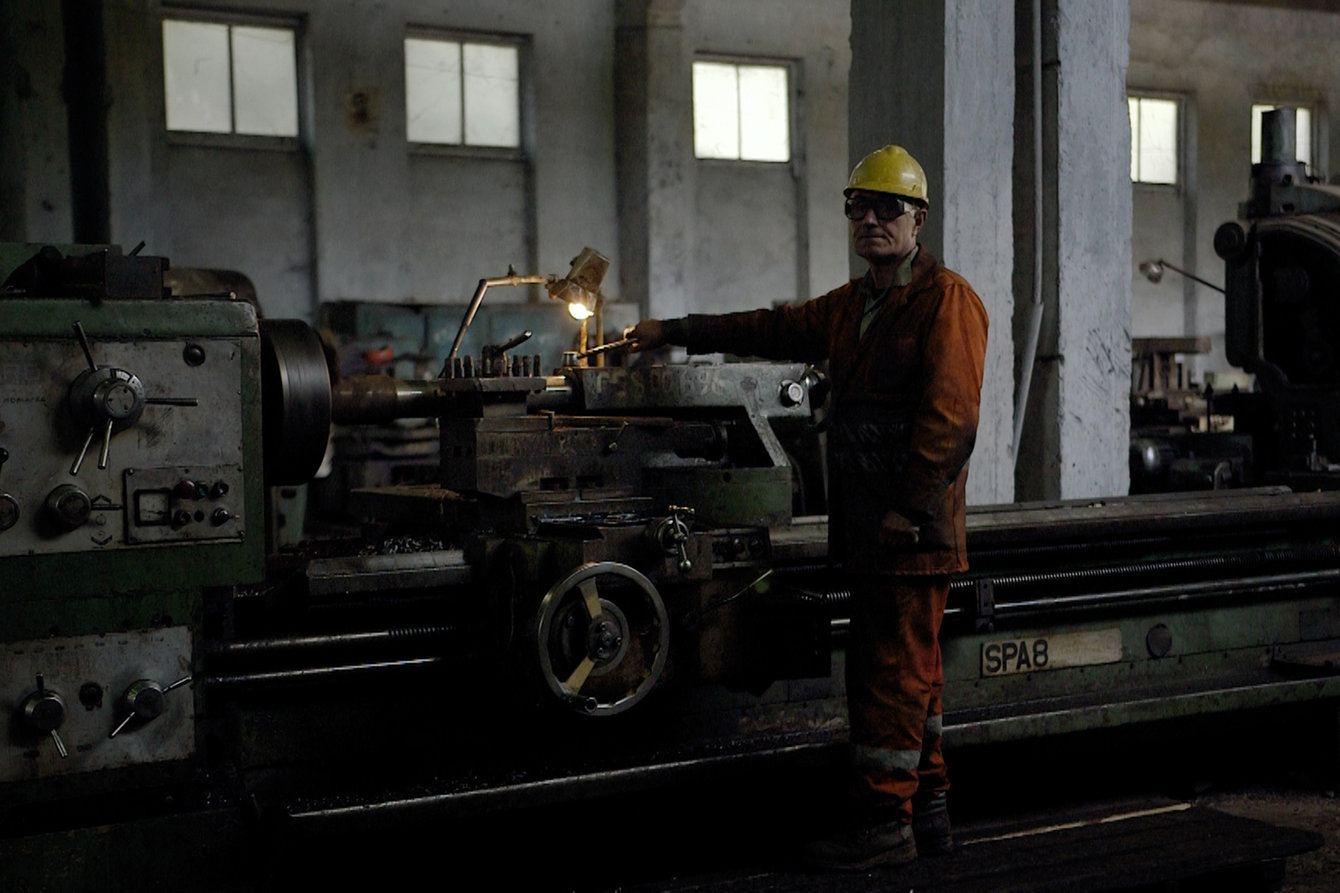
(9, 512)
(145, 700)
(44, 710)
(69, 507)
(1230, 240)
(107, 400)
(119, 398)
(792, 393)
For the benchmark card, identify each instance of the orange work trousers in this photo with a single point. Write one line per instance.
(895, 676)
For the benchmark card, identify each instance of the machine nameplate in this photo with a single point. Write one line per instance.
(1032, 654)
(753, 385)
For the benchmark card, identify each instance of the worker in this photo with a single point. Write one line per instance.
(905, 344)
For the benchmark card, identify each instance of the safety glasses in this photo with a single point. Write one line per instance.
(885, 209)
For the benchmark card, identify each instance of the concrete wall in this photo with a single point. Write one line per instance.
(708, 235)
(34, 159)
(1221, 58)
(775, 232)
(354, 213)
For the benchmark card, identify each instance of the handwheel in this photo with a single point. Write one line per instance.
(602, 635)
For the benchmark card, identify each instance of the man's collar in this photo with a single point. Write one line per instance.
(902, 276)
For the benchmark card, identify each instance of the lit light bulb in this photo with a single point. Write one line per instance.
(579, 311)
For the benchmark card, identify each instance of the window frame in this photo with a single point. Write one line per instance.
(233, 139)
(1180, 133)
(792, 69)
(519, 42)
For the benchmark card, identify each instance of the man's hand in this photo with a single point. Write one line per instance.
(649, 334)
(895, 531)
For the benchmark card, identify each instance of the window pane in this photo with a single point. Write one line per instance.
(1158, 141)
(492, 106)
(433, 91)
(764, 122)
(1303, 131)
(265, 81)
(716, 111)
(195, 76)
(1257, 112)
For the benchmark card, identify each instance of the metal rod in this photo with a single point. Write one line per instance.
(1251, 560)
(317, 674)
(559, 789)
(372, 399)
(332, 640)
(1192, 276)
(1177, 591)
(610, 345)
(106, 444)
(1182, 593)
(83, 342)
(485, 285)
(1036, 308)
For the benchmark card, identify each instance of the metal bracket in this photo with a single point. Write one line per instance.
(983, 618)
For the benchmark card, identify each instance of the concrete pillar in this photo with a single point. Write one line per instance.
(137, 147)
(1076, 428)
(938, 79)
(654, 130)
(34, 139)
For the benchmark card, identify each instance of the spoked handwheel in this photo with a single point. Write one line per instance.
(602, 634)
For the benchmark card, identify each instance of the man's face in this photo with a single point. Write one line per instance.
(883, 227)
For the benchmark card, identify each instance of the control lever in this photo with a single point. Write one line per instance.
(44, 710)
(108, 400)
(514, 341)
(491, 355)
(144, 699)
(672, 533)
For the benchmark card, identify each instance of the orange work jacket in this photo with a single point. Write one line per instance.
(903, 411)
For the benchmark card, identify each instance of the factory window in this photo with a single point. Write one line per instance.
(741, 112)
(462, 93)
(1302, 128)
(1154, 123)
(221, 77)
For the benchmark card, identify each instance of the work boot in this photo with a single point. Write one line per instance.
(863, 847)
(930, 825)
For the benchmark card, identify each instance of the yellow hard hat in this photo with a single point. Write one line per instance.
(890, 169)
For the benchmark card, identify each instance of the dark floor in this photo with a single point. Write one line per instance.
(1221, 796)
(743, 833)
